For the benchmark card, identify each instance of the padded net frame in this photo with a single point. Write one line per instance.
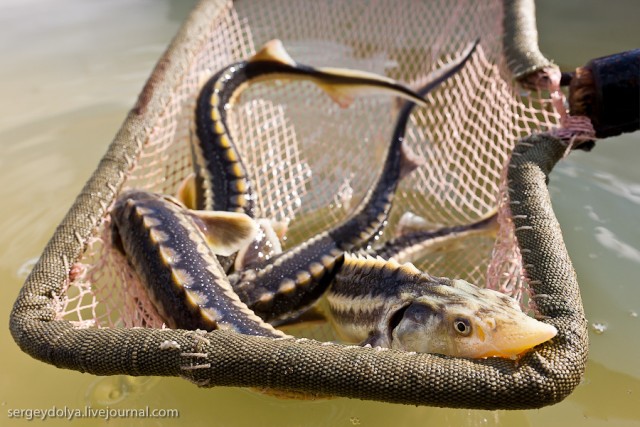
(83, 308)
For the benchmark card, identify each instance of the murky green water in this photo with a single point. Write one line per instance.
(69, 73)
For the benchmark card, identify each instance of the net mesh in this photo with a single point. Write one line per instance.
(311, 162)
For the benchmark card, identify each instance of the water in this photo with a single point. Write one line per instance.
(69, 74)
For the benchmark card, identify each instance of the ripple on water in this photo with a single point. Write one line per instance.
(629, 191)
(599, 328)
(609, 240)
(109, 391)
(26, 267)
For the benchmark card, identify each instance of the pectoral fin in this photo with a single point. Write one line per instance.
(226, 232)
(265, 245)
(280, 228)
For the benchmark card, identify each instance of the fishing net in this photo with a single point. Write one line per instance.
(285, 134)
(311, 162)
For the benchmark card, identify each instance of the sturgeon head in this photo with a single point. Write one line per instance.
(464, 320)
(384, 303)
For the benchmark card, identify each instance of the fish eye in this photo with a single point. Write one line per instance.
(462, 326)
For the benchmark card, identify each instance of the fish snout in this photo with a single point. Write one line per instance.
(515, 337)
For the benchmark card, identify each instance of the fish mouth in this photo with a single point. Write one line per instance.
(520, 339)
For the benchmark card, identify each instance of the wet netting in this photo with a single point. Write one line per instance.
(311, 162)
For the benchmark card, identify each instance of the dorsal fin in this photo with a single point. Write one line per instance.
(378, 265)
(187, 191)
(273, 50)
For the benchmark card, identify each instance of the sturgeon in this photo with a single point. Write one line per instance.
(221, 181)
(172, 250)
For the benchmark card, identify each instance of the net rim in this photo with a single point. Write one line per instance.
(37, 332)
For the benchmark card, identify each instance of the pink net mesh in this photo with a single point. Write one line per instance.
(311, 162)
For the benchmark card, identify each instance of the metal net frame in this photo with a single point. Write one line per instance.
(286, 135)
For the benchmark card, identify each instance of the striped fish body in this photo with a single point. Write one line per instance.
(171, 254)
(366, 292)
(221, 179)
(291, 281)
(387, 304)
(295, 279)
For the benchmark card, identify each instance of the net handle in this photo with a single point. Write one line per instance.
(520, 40)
